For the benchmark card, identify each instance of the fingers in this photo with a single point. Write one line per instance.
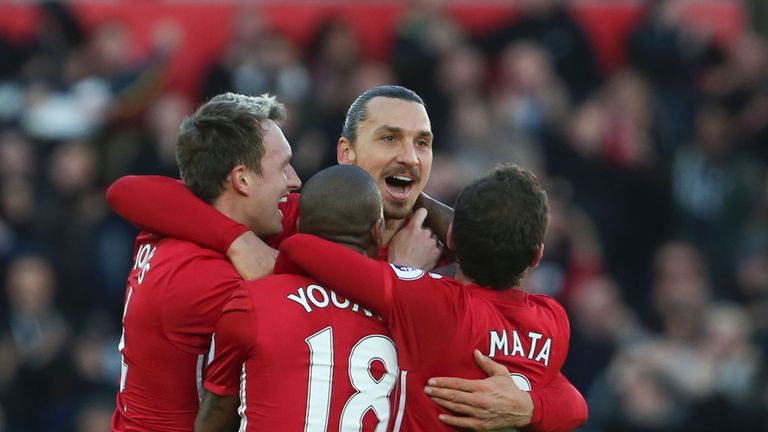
(461, 408)
(452, 395)
(417, 219)
(455, 384)
(462, 422)
(489, 366)
(474, 404)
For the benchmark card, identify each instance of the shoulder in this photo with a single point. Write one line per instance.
(264, 291)
(409, 279)
(189, 257)
(194, 278)
(406, 273)
(547, 305)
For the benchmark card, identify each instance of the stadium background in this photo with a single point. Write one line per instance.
(647, 120)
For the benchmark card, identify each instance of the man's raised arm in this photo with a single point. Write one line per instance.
(347, 272)
(165, 206)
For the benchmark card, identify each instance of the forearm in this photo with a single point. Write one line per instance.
(439, 216)
(165, 206)
(217, 413)
(345, 271)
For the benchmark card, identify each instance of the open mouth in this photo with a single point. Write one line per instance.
(282, 200)
(399, 186)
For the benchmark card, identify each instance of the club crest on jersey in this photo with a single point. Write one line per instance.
(407, 273)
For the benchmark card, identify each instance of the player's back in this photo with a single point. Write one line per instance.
(523, 332)
(174, 294)
(315, 361)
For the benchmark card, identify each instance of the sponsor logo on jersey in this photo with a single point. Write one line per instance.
(407, 273)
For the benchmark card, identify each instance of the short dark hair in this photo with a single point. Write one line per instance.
(358, 111)
(340, 202)
(224, 132)
(498, 225)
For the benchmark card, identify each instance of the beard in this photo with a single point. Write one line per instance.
(396, 211)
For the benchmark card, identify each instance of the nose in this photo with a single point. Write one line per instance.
(407, 155)
(293, 180)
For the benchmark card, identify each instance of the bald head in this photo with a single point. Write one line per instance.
(342, 204)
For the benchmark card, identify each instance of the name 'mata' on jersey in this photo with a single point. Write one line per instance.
(302, 357)
(436, 322)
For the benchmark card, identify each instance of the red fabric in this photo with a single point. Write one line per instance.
(174, 295)
(436, 322)
(558, 407)
(165, 206)
(277, 332)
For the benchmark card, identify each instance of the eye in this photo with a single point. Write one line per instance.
(423, 143)
(389, 138)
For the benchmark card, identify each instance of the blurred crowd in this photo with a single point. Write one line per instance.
(656, 173)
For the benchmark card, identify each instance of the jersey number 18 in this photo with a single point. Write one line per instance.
(371, 393)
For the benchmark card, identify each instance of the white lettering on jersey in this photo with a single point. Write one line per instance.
(318, 297)
(145, 253)
(500, 345)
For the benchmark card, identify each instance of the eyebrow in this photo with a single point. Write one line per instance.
(397, 130)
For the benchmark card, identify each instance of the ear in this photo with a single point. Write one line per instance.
(537, 258)
(449, 238)
(377, 232)
(240, 180)
(345, 153)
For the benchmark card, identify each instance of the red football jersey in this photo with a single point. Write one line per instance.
(175, 292)
(303, 358)
(436, 322)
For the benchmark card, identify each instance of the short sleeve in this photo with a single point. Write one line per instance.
(232, 343)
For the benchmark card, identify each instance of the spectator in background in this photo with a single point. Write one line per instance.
(258, 60)
(334, 59)
(741, 83)
(39, 334)
(671, 56)
(549, 23)
(425, 36)
(604, 150)
(528, 97)
(70, 207)
(713, 187)
(17, 192)
(602, 325)
(150, 149)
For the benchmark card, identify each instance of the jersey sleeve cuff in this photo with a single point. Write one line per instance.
(232, 233)
(221, 390)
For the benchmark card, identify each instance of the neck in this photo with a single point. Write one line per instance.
(391, 226)
(355, 247)
(461, 277)
(228, 206)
